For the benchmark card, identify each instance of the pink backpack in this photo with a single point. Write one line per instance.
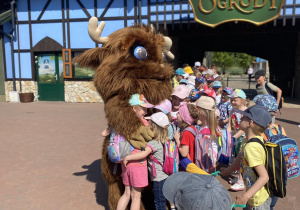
(171, 160)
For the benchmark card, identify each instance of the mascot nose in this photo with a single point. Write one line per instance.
(162, 65)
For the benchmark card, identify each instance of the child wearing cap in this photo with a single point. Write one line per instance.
(208, 123)
(225, 107)
(159, 123)
(178, 76)
(238, 101)
(264, 88)
(217, 87)
(135, 175)
(252, 159)
(180, 94)
(187, 117)
(199, 86)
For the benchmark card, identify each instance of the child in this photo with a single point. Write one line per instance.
(252, 158)
(270, 104)
(209, 81)
(225, 107)
(178, 76)
(186, 118)
(209, 125)
(135, 175)
(238, 102)
(158, 124)
(181, 92)
(199, 86)
(217, 87)
(264, 88)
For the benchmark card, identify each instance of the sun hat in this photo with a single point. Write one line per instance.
(259, 73)
(237, 93)
(184, 81)
(204, 72)
(206, 102)
(188, 70)
(267, 101)
(209, 92)
(209, 71)
(190, 191)
(228, 90)
(160, 119)
(191, 80)
(181, 91)
(210, 79)
(139, 99)
(202, 68)
(197, 63)
(185, 75)
(179, 71)
(217, 84)
(165, 106)
(258, 114)
(185, 114)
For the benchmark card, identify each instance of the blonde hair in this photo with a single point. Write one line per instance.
(208, 118)
(194, 114)
(258, 129)
(160, 134)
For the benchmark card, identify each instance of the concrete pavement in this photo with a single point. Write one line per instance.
(50, 156)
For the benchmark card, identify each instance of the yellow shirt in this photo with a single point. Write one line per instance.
(253, 154)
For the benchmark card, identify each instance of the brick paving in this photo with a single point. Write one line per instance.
(50, 156)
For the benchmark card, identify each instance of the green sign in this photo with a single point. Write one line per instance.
(215, 12)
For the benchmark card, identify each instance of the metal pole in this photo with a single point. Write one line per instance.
(12, 44)
(227, 80)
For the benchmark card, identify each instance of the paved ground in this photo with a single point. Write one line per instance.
(50, 156)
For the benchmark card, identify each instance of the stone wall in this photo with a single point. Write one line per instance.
(79, 91)
(27, 87)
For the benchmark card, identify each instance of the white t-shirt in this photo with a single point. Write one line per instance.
(250, 70)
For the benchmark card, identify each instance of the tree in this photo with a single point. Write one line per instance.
(244, 60)
(223, 59)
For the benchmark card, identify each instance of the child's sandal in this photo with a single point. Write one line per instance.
(173, 208)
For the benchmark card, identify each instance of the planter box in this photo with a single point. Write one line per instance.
(26, 97)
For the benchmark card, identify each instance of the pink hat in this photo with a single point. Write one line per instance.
(181, 91)
(209, 92)
(165, 106)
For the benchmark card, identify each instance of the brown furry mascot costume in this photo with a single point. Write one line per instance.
(123, 69)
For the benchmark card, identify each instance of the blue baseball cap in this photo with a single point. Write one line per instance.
(217, 84)
(179, 71)
(196, 191)
(258, 114)
(228, 90)
(184, 81)
(267, 101)
(200, 79)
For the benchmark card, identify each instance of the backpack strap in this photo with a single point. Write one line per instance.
(280, 129)
(190, 129)
(268, 89)
(154, 161)
(257, 140)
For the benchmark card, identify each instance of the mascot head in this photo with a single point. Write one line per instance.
(131, 60)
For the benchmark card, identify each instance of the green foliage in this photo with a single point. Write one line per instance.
(244, 60)
(83, 72)
(223, 58)
(46, 78)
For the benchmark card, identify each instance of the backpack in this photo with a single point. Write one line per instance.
(289, 149)
(276, 186)
(281, 101)
(226, 146)
(206, 151)
(118, 147)
(190, 129)
(171, 160)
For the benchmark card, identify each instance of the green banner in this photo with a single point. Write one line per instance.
(215, 12)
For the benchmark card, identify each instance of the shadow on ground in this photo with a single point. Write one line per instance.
(93, 174)
(288, 121)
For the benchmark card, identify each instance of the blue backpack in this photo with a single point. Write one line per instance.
(289, 149)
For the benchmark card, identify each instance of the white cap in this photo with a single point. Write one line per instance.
(185, 76)
(209, 71)
(197, 63)
(160, 119)
(191, 80)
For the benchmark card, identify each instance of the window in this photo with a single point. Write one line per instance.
(82, 72)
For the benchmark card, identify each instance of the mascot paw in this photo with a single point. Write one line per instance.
(140, 138)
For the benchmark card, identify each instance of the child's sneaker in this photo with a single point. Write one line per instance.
(233, 181)
(238, 186)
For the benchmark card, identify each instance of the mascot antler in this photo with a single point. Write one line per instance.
(95, 32)
(168, 45)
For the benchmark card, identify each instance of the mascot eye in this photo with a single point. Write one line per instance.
(164, 56)
(140, 53)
